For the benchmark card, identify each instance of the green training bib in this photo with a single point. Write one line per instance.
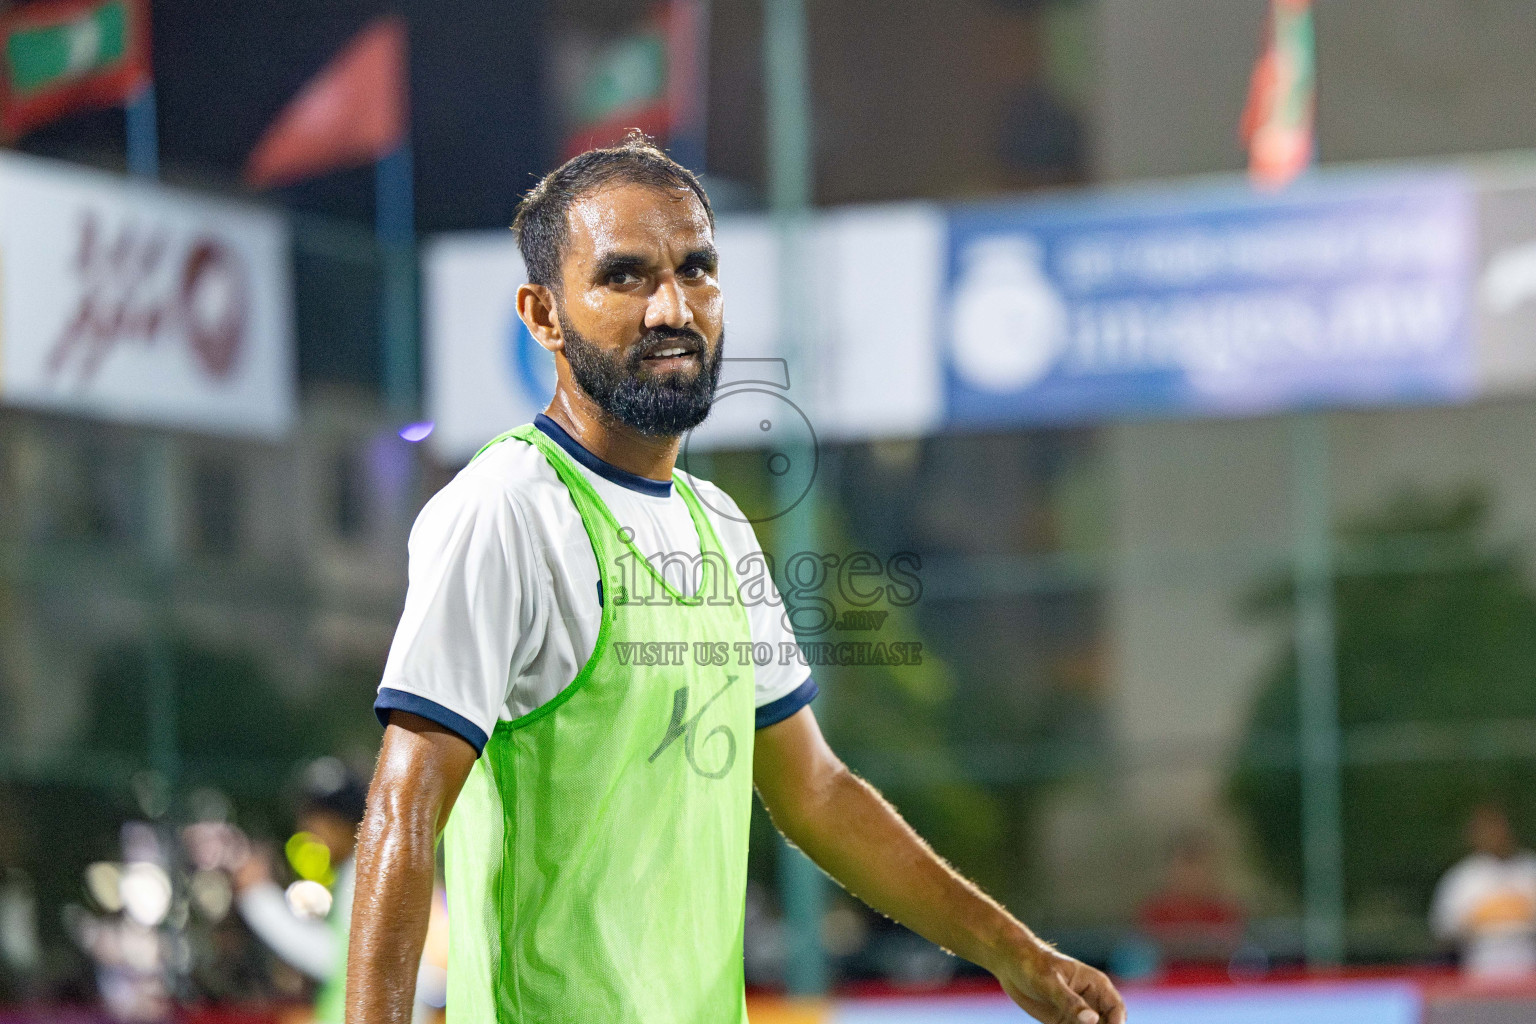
(597, 856)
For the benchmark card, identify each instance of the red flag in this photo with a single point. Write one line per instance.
(353, 113)
(1277, 122)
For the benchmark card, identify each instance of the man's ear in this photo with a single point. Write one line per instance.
(536, 308)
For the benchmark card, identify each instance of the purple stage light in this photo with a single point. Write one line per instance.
(414, 432)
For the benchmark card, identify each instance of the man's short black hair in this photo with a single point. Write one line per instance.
(330, 786)
(541, 226)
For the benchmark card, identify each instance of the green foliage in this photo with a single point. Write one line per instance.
(874, 712)
(1445, 644)
(227, 707)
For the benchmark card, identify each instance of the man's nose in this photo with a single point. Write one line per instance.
(668, 306)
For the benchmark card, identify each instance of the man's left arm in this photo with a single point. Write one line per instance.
(845, 826)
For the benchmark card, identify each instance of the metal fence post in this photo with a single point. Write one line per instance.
(395, 230)
(789, 176)
(162, 506)
(1317, 685)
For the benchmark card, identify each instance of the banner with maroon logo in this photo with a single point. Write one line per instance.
(134, 302)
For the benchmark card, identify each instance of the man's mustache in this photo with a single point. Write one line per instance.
(668, 337)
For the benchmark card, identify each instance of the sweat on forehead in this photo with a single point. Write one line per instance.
(632, 217)
(542, 224)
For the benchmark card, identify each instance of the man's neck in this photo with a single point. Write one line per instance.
(617, 444)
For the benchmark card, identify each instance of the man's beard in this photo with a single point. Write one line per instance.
(626, 389)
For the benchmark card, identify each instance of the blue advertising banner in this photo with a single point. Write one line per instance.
(1343, 1003)
(1349, 289)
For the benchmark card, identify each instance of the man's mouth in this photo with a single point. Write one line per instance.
(671, 357)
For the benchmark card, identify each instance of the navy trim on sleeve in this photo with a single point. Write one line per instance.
(608, 471)
(775, 712)
(398, 700)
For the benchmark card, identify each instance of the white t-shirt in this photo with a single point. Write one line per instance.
(1489, 906)
(503, 604)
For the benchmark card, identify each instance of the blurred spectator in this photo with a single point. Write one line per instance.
(304, 927)
(309, 930)
(138, 960)
(765, 945)
(1486, 903)
(1192, 919)
(20, 955)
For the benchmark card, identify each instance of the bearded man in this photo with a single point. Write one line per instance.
(595, 803)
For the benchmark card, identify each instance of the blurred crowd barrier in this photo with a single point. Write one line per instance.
(1424, 999)
(1412, 1001)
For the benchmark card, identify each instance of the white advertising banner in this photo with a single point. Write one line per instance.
(875, 285)
(484, 372)
(133, 302)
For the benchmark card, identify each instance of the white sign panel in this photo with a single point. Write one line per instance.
(881, 269)
(129, 301)
(874, 285)
(484, 372)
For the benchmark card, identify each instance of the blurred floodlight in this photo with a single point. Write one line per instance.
(417, 431)
(309, 899)
(327, 774)
(208, 804)
(140, 842)
(146, 892)
(103, 880)
(139, 949)
(205, 844)
(844, 930)
(212, 895)
(153, 792)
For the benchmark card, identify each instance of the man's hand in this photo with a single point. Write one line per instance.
(1057, 989)
(856, 837)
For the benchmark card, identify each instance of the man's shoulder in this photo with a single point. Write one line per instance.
(510, 469)
(508, 478)
(1468, 866)
(1479, 870)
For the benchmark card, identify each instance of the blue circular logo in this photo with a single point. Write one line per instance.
(532, 367)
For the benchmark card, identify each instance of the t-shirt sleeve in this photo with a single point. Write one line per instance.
(1448, 909)
(472, 581)
(784, 685)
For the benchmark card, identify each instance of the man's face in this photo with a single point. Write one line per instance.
(1489, 832)
(640, 309)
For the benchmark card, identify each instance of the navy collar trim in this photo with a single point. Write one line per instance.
(606, 470)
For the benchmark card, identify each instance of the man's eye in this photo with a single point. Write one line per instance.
(620, 278)
(694, 273)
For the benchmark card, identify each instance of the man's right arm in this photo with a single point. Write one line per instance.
(422, 766)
